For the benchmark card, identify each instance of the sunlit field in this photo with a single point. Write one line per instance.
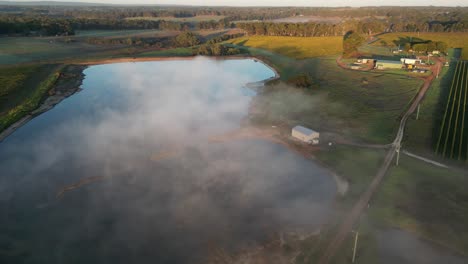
(179, 19)
(295, 47)
(453, 40)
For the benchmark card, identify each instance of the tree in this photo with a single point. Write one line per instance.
(441, 46)
(186, 39)
(351, 43)
(407, 46)
(300, 81)
(431, 46)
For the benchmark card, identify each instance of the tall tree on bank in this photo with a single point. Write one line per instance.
(351, 43)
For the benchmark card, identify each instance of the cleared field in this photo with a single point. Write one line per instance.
(22, 89)
(24, 50)
(358, 167)
(420, 135)
(453, 40)
(364, 106)
(426, 200)
(112, 33)
(178, 52)
(118, 33)
(179, 19)
(305, 19)
(294, 47)
(15, 50)
(453, 135)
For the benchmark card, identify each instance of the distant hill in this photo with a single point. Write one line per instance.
(64, 3)
(51, 3)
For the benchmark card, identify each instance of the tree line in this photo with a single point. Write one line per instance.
(64, 20)
(313, 29)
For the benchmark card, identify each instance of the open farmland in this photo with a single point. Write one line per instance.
(25, 50)
(415, 192)
(180, 19)
(361, 105)
(22, 88)
(119, 33)
(452, 140)
(453, 40)
(294, 47)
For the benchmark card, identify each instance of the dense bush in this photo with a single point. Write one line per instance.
(217, 50)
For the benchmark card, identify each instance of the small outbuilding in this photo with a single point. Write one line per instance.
(409, 61)
(306, 135)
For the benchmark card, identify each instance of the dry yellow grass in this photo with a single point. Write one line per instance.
(295, 47)
(453, 40)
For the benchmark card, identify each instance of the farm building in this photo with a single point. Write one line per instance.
(306, 134)
(387, 64)
(364, 61)
(408, 61)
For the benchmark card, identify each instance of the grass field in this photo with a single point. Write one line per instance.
(180, 19)
(419, 134)
(452, 141)
(11, 80)
(364, 106)
(22, 90)
(294, 47)
(16, 50)
(453, 40)
(358, 167)
(178, 52)
(118, 33)
(423, 199)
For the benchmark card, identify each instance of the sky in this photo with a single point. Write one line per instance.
(284, 2)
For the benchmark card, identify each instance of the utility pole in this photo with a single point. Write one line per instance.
(355, 245)
(398, 154)
(417, 113)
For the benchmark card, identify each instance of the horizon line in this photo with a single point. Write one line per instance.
(32, 2)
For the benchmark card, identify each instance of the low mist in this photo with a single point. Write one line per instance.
(167, 194)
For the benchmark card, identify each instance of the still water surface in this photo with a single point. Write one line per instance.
(168, 194)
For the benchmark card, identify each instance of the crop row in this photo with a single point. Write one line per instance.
(453, 134)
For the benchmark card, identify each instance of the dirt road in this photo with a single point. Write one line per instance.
(352, 217)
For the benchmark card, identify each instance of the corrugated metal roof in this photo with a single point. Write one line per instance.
(304, 130)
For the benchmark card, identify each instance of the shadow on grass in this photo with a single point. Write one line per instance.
(242, 43)
(410, 40)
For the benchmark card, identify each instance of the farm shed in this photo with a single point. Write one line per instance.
(408, 61)
(387, 64)
(364, 60)
(305, 134)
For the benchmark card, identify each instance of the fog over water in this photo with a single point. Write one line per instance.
(169, 194)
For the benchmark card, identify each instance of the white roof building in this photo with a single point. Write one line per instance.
(305, 134)
(410, 61)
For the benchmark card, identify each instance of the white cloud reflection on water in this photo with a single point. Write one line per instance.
(229, 195)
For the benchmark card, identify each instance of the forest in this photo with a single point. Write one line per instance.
(65, 20)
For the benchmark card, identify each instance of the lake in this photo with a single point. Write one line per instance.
(159, 191)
